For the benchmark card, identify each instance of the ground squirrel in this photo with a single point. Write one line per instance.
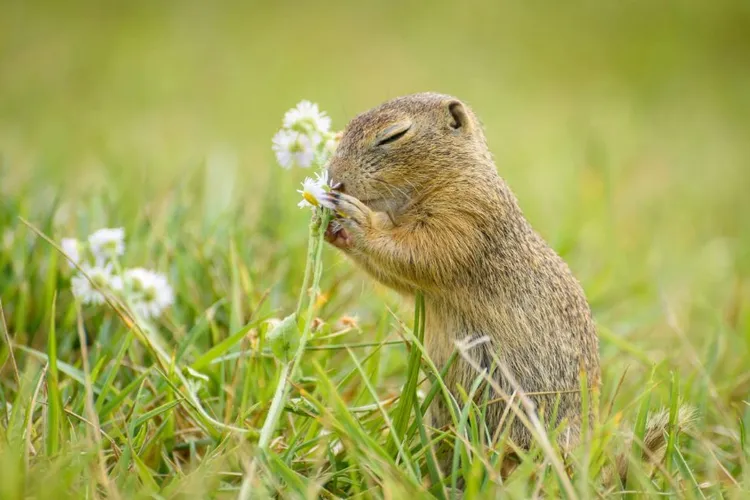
(422, 207)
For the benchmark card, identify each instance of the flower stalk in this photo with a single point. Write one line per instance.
(290, 368)
(304, 140)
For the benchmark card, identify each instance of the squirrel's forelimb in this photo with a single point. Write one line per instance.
(418, 254)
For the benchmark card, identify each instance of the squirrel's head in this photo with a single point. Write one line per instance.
(408, 146)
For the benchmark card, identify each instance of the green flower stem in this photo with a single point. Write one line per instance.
(325, 218)
(311, 244)
(274, 413)
(289, 369)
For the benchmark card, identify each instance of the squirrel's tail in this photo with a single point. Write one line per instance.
(654, 439)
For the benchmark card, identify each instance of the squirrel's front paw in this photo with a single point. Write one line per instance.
(337, 236)
(349, 208)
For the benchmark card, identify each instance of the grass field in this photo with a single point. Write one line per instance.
(621, 126)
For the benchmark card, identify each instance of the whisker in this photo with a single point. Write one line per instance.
(391, 187)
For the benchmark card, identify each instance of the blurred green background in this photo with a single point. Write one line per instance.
(623, 127)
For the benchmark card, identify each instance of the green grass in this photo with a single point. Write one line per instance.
(621, 127)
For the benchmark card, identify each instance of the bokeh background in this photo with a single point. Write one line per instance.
(623, 127)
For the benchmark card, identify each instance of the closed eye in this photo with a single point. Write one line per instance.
(394, 136)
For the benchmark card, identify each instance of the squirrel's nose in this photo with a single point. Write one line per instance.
(335, 180)
(336, 174)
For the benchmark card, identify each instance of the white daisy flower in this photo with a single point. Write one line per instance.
(84, 290)
(149, 292)
(313, 190)
(107, 243)
(72, 249)
(293, 148)
(306, 117)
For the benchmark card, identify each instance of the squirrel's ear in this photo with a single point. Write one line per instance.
(458, 116)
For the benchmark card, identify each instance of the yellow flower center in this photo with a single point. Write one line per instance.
(310, 198)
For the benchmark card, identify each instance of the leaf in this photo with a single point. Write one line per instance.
(284, 338)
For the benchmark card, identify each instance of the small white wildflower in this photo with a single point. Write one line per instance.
(84, 290)
(306, 117)
(313, 190)
(293, 148)
(149, 292)
(72, 249)
(107, 243)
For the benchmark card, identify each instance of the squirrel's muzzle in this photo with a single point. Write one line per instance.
(336, 174)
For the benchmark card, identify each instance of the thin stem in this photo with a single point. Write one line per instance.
(308, 266)
(289, 369)
(318, 266)
(269, 426)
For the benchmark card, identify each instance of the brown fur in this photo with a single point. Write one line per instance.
(654, 442)
(429, 212)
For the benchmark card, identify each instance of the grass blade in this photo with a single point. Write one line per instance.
(69, 370)
(674, 405)
(122, 395)
(145, 417)
(54, 401)
(395, 438)
(222, 347)
(409, 394)
(636, 451)
(109, 381)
